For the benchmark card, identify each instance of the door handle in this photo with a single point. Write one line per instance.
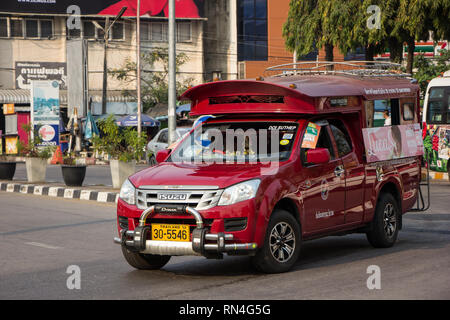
(339, 171)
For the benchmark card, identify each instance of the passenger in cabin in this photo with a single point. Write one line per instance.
(387, 118)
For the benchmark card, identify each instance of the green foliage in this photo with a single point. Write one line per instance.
(428, 69)
(31, 149)
(120, 144)
(154, 84)
(69, 159)
(343, 24)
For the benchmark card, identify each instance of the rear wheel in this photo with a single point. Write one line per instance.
(281, 245)
(386, 221)
(144, 261)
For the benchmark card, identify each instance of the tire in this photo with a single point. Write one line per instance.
(144, 261)
(386, 222)
(282, 243)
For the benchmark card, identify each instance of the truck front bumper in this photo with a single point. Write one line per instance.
(203, 243)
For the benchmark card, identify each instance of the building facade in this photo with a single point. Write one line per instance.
(32, 47)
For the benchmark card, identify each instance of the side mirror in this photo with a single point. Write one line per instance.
(317, 156)
(162, 155)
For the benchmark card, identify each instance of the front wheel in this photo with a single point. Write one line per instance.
(144, 261)
(385, 225)
(281, 245)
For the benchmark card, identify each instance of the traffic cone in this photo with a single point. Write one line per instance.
(57, 156)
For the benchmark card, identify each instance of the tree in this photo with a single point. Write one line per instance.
(416, 19)
(428, 69)
(302, 28)
(345, 24)
(154, 87)
(329, 24)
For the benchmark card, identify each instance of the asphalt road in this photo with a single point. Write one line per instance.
(41, 237)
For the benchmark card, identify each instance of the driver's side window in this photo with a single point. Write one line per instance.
(324, 141)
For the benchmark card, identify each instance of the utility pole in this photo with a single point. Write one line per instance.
(172, 74)
(105, 67)
(138, 67)
(106, 30)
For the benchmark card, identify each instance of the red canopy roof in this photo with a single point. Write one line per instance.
(297, 93)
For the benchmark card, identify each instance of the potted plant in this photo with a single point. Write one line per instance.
(36, 156)
(73, 174)
(123, 146)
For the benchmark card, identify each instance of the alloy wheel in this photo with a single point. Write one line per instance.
(282, 242)
(389, 220)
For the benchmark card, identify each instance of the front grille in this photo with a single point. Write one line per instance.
(199, 198)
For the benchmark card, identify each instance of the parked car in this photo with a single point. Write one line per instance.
(331, 170)
(160, 142)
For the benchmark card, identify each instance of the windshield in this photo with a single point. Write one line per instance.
(237, 142)
(438, 111)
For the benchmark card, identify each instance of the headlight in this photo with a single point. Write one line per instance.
(127, 192)
(239, 192)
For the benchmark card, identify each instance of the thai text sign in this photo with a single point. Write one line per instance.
(27, 71)
(393, 142)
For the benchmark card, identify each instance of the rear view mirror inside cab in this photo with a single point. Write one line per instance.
(317, 156)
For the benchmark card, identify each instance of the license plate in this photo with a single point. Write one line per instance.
(170, 232)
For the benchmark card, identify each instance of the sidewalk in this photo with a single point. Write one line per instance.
(97, 185)
(93, 193)
(435, 176)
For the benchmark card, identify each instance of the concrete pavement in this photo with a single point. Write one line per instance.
(42, 236)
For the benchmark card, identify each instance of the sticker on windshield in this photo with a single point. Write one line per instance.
(282, 127)
(311, 136)
(284, 142)
(288, 136)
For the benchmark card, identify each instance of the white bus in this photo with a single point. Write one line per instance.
(436, 119)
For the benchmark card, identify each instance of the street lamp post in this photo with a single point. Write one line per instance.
(172, 73)
(106, 30)
(138, 67)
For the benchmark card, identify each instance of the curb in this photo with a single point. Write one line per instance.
(443, 176)
(60, 192)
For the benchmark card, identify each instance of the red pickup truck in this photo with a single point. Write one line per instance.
(279, 161)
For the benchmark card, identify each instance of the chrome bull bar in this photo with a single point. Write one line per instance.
(211, 245)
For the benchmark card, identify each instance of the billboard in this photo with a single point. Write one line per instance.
(183, 8)
(393, 142)
(26, 71)
(11, 145)
(45, 111)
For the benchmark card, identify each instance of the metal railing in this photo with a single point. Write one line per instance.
(352, 68)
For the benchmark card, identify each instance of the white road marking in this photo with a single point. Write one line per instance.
(42, 245)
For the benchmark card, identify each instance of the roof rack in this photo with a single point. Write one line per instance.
(352, 68)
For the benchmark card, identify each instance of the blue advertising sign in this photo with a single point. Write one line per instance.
(45, 111)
